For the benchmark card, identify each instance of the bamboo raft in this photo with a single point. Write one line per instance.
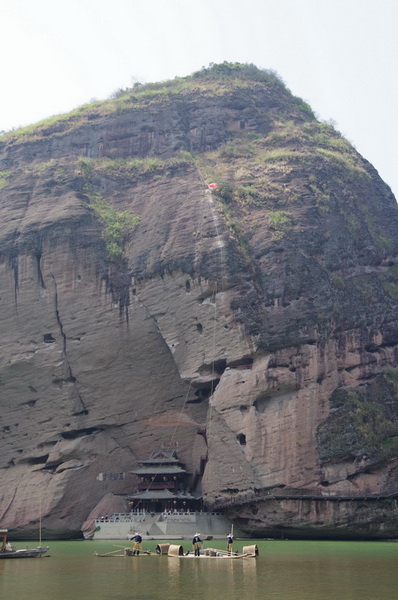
(177, 551)
(127, 552)
(247, 552)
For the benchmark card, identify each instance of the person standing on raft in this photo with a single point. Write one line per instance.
(137, 543)
(196, 544)
(230, 541)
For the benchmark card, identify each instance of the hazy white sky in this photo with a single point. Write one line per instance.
(341, 56)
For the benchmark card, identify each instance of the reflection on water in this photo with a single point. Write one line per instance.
(283, 571)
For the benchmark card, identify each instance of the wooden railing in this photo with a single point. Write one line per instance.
(240, 499)
(155, 485)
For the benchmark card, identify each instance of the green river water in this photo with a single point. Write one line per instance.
(297, 570)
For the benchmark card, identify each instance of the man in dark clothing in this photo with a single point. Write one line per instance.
(196, 544)
(137, 543)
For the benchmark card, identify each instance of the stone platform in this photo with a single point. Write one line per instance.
(161, 526)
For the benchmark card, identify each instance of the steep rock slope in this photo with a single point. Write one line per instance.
(261, 315)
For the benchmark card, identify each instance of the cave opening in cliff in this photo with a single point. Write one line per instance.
(219, 366)
(261, 402)
(216, 368)
(48, 338)
(204, 392)
(77, 433)
(36, 460)
(241, 439)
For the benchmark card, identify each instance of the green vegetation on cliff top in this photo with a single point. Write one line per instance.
(213, 80)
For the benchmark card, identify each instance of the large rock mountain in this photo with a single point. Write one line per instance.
(140, 308)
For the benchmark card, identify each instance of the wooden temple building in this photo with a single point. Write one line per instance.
(164, 485)
(166, 504)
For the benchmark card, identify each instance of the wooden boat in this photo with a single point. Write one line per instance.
(247, 552)
(112, 555)
(8, 551)
(126, 552)
(24, 552)
(177, 551)
(216, 556)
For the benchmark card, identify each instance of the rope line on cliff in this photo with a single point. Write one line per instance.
(214, 215)
(214, 296)
(220, 242)
(208, 195)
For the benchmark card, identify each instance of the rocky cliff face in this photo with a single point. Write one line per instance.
(262, 314)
